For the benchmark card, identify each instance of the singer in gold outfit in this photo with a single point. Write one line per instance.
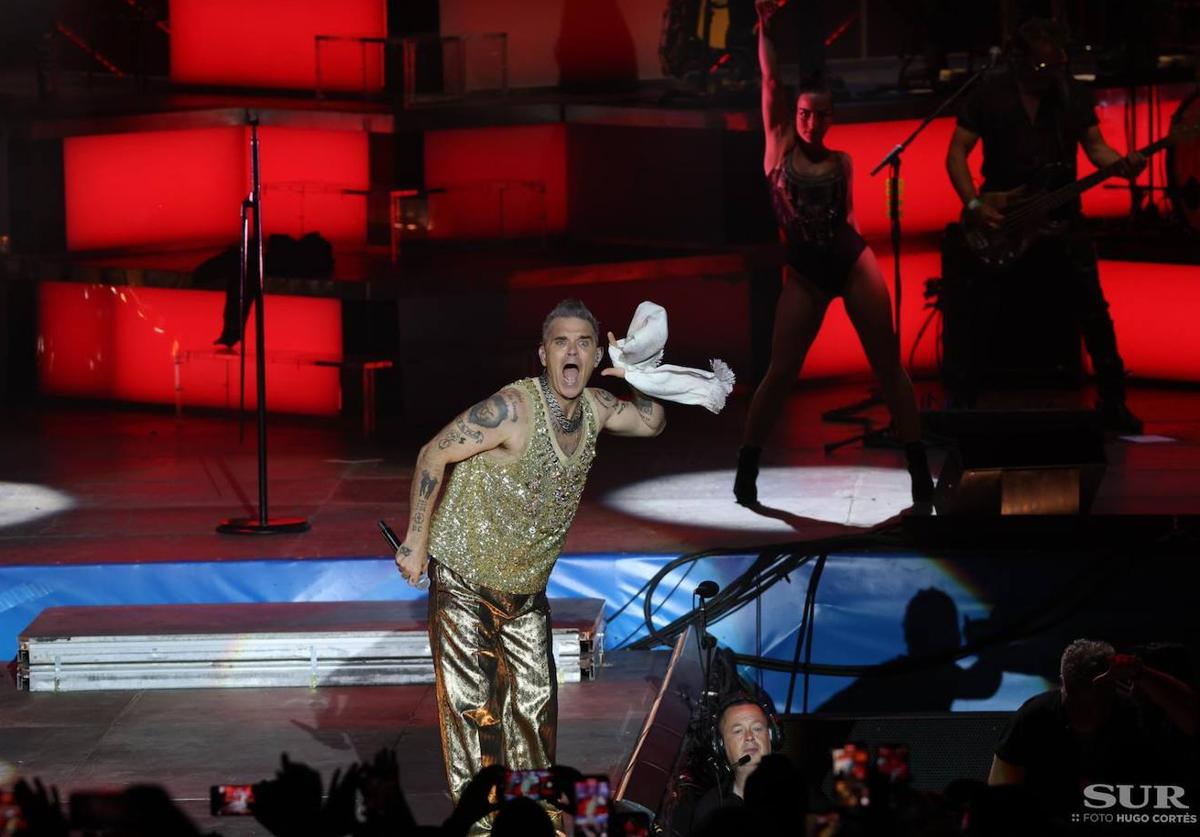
(523, 457)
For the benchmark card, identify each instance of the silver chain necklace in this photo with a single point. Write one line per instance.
(565, 424)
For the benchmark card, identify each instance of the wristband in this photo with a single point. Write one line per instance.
(973, 204)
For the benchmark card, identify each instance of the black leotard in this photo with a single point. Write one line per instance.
(811, 210)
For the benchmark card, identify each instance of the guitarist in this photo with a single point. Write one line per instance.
(1029, 117)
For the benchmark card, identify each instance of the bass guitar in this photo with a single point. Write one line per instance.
(1031, 212)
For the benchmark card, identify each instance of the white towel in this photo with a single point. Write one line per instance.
(640, 355)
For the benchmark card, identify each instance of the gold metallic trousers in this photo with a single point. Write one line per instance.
(497, 690)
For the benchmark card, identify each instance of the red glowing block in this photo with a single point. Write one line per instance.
(121, 343)
(272, 43)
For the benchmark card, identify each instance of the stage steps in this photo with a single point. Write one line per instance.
(256, 645)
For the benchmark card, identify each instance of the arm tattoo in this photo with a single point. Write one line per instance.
(489, 413)
(405, 551)
(467, 432)
(424, 487)
(604, 397)
(428, 485)
(425, 491)
(645, 407)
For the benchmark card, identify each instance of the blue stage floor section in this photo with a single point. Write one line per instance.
(861, 604)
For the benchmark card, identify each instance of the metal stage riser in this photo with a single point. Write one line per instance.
(249, 661)
(256, 645)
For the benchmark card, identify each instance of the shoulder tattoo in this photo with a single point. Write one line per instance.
(489, 413)
(604, 397)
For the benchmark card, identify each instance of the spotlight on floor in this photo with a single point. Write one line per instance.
(850, 496)
(22, 502)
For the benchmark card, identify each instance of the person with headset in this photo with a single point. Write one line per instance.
(744, 733)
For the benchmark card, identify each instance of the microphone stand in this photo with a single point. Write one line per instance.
(848, 414)
(706, 645)
(263, 524)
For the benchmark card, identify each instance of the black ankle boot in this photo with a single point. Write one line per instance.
(745, 488)
(1118, 418)
(918, 470)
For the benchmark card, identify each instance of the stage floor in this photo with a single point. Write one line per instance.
(189, 739)
(138, 485)
(85, 484)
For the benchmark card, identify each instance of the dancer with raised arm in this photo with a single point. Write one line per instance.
(811, 192)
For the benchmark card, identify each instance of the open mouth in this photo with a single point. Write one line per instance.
(570, 374)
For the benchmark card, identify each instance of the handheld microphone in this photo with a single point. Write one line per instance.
(707, 589)
(389, 536)
(742, 761)
(394, 543)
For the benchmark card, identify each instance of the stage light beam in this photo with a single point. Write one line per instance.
(850, 496)
(22, 502)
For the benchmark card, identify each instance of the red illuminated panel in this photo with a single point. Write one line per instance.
(1154, 309)
(165, 188)
(271, 43)
(315, 181)
(101, 341)
(490, 178)
(157, 187)
(927, 200)
(1147, 300)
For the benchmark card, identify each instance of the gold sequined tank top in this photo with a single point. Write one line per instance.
(503, 524)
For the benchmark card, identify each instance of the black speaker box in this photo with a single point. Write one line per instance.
(1019, 462)
(1015, 327)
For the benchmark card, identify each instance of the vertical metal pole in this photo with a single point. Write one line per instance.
(260, 337)
(243, 263)
(263, 525)
(894, 207)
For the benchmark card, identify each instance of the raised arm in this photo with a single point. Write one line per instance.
(643, 417)
(775, 111)
(495, 422)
